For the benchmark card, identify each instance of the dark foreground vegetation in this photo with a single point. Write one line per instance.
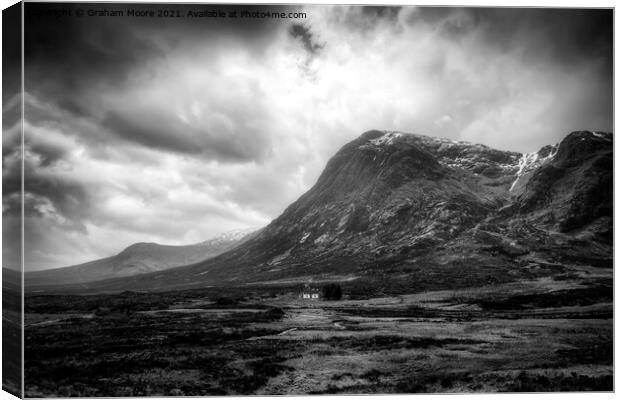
(11, 332)
(545, 335)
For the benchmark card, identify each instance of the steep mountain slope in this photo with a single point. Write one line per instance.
(561, 211)
(139, 258)
(575, 188)
(382, 193)
(408, 210)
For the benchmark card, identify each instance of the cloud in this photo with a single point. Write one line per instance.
(475, 65)
(306, 37)
(175, 130)
(11, 51)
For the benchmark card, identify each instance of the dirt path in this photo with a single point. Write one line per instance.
(304, 318)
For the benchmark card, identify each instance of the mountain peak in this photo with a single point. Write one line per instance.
(140, 258)
(449, 153)
(387, 138)
(580, 145)
(233, 235)
(139, 247)
(388, 201)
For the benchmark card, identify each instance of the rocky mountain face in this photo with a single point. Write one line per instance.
(574, 187)
(408, 210)
(140, 258)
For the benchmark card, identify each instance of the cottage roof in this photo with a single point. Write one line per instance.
(310, 289)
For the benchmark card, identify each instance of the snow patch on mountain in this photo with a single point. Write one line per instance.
(387, 139)
(602, 135)
(530, 161)
(229, 236)
(304, 237)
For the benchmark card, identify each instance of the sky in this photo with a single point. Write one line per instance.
(172, 130)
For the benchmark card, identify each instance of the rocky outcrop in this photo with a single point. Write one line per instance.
(574, 189)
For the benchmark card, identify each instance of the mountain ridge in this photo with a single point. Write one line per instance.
(395, 201)
(140, 258)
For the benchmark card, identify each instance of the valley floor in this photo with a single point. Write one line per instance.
(549, 334)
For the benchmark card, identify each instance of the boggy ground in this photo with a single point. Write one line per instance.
(546, 334)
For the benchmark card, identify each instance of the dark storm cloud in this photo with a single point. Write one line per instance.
(307, 39)
(11, 111)
(154, 130)
(564, 35)
(59, 198)
(71, 55)
(67, 58)
(11, 51)
(108, 96)
(73, 62)
(48, 152)
(11, 135)
(366, 19)
(158, 131)
(11, 173)
(568, 40)
(44, 194)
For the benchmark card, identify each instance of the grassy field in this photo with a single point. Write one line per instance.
(544, 334)
(11, 332)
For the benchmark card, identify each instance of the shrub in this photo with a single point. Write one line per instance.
(332, 291)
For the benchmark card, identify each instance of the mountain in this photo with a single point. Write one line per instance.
(402, 211)
(227, 240)
(574, 188)
(140, 258)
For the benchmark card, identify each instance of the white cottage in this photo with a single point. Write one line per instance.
(310, 293)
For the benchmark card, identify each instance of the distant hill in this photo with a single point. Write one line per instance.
(139, 258)
(403, 211)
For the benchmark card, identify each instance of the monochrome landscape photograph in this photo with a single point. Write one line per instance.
(229, 200)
